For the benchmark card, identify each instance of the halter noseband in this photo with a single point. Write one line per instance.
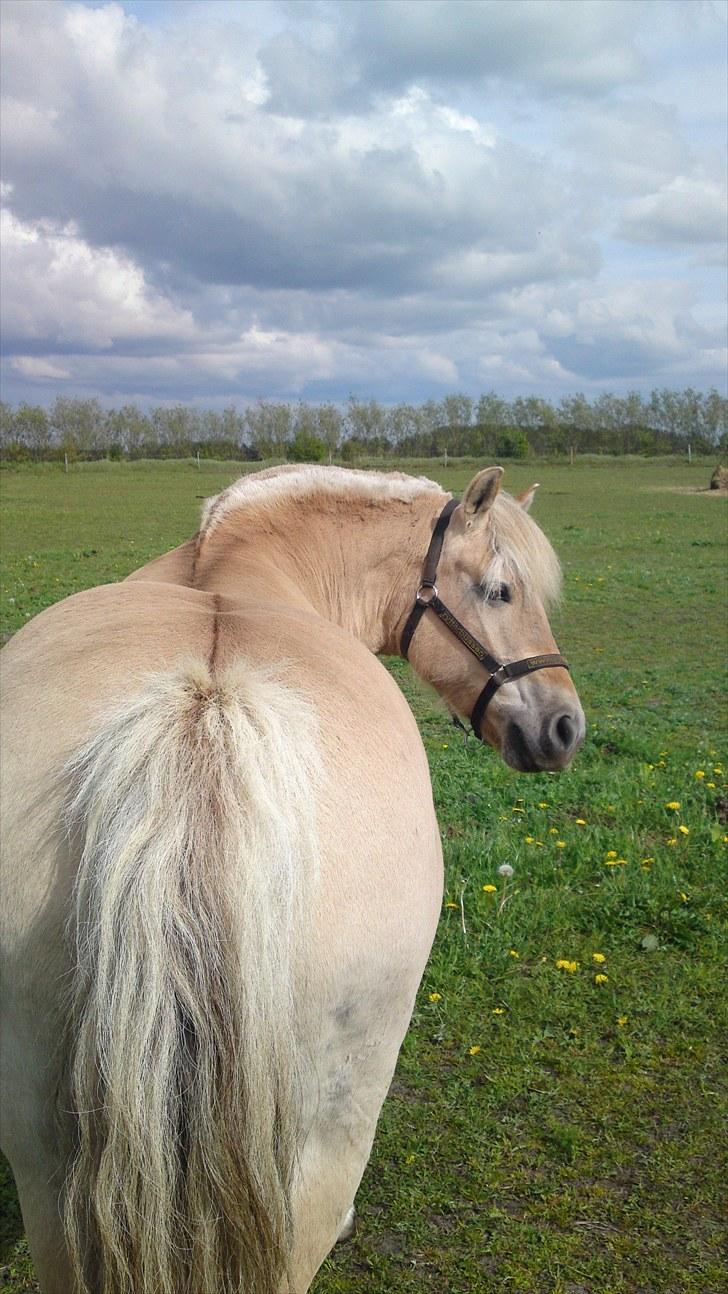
(427, 600)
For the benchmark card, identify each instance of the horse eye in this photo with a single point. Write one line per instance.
(494, 593)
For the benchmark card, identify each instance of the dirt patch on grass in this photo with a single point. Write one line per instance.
(704, 491)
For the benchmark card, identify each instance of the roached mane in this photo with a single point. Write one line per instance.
(520, 549)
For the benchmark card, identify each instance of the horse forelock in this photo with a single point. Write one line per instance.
(267, 490)
(520, 551)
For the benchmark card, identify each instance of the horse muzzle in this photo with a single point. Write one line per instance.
(545, 746)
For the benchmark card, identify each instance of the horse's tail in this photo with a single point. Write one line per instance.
(193, 806)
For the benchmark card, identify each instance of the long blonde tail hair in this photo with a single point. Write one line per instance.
(193, 806)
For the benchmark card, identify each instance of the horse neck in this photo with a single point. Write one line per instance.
(351, 562)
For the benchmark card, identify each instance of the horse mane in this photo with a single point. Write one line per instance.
(519, 547)
(289, 481)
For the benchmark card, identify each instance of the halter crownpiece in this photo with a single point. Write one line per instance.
(427, 599)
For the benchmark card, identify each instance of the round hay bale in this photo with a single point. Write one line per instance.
(719, 479)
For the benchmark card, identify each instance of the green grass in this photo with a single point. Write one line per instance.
(578, 1151)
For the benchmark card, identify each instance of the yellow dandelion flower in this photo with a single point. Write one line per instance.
(673, 804)
(553, 831)
(711, 785)
(473, 1051)
(499, 1010)
(581, 822)
(664, 752)
(529, 840)
(611, 853)
(725, 840)
(410, 1159)
(647, 862)
(622, 1020)
(517, 809)
(683, 897)
(512, 953)
(700, 774)
(445, 746)
(598, 957)
(615, 862)
(685, 831)
(671, 841)
(564, 964)
(718, 771)
(489, 889)
(601, 979)
(451, 905)
(561, 844)
(435, 997)
(543, 804)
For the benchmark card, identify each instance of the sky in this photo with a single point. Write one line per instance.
(211, 202)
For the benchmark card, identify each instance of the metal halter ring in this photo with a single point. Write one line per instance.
(426, 587)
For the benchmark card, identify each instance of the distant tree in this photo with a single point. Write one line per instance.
(401, 422)
(32, 429)
(512, 443)
(7, 425)
(233, 425)
(330, 427)
(307, 447)
(77, 426)
(269, 425)
(715, 417)
(458, 410)
(129, 429)
(492, 411)
(365, 420)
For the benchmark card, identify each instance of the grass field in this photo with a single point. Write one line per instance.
(547, 1131)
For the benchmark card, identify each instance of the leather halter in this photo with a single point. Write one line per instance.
(427, 600)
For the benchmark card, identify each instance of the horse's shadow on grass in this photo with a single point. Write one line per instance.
(11, 1221)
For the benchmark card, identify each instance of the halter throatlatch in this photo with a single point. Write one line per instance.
(427, 599)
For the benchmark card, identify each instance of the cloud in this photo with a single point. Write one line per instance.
(534, 41)
(685, 210)
(58, 288)
(252, 199)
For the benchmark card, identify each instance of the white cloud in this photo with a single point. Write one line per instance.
(37, 368)
(58, 288)
(685, 210)
(278, 198)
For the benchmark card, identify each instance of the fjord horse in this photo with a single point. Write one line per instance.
(222, 870)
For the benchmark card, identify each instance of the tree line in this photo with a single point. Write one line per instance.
(664, 422)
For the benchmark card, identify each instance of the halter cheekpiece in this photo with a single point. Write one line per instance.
(427, 599)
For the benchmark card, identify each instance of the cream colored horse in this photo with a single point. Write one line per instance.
(222, 870)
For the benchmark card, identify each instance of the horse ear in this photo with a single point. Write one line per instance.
(526, 499)
(480, 494)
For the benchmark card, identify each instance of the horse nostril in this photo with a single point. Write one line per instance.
(565, 730)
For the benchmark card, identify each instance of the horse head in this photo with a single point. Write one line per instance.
(484, 639)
